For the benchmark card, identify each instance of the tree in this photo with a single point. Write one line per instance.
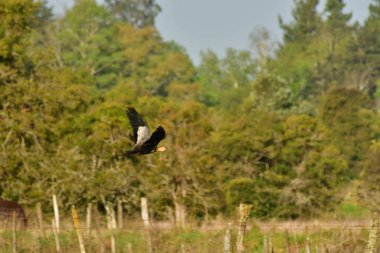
(84, 36)
(367, 48)
(369, 191)
(16, 21)
(374, 10)
(336, 19)
(137, 13)
(262, 45)
(226, 81)
(306, 21)
(180, 183)
(152, 64)
(210, 75)
(44, 14)
(315, 186)
(270, 92)
(301, 50)
(172, 67)
(347, 115)
(37, 110)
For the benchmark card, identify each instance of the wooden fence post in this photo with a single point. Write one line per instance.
(14, 238)
(265, 244)
(227, 239)
(129, 248)
(308, 245)
(56, 212)
(77, 228)
(244, 210)
(145, 218)
(373, 235)
(56, 236)
(144, 212)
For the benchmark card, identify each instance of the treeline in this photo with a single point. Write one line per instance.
(291, 128)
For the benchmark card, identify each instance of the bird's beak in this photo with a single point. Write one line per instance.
(161, 149)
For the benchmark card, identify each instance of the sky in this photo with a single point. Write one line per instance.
(199, 25)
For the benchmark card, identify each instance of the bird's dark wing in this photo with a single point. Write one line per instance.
(156, 137)
(140, 129)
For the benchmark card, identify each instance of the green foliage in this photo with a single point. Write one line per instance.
(17, 19)
(369, 187)
(353, 210)
(287, 133)
(137, 13)
(347, 114)
(225, 81)
(336, 19)
(240, 190)
(270, 92)
(84, 35)
(306, 21)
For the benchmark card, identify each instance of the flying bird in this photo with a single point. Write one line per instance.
(144, 143)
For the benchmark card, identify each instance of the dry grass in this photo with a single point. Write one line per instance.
(324, 236)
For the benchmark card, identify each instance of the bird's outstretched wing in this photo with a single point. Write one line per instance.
(156, 137)
(141, 130)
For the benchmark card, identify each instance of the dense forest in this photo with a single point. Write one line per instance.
(291, 127)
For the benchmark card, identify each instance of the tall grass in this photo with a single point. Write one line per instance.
(336, 237)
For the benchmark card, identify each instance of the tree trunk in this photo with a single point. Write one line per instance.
(88, 220)
(179, 208)
(120, 214)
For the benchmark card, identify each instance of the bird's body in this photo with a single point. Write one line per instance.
(144, 142)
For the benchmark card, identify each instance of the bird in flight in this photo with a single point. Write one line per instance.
(144, 143)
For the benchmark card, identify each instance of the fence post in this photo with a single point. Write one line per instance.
(14, 238)
(265, 244)
(373, 235)
(227, 239)
(308, 245)
(77, 228)
(244, 210)
(145, 218)
(56, 236)
(144, 212)
(129, 248)
(56, 212)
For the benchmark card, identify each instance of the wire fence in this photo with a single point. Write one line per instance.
(38, 236)
(6, 217)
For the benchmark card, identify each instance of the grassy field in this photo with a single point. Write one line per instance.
(318, 236)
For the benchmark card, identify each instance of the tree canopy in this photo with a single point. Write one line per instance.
(286, 130)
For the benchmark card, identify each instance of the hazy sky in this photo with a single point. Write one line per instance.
(218, 24)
